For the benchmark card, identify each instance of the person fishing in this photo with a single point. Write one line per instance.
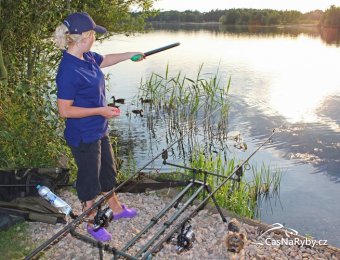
(82, 102)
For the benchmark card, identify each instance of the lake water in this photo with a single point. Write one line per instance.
(278, 76)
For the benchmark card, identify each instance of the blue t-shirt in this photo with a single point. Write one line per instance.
(83, 82)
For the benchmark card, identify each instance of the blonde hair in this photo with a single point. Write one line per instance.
(62, 38)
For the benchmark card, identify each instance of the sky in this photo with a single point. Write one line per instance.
(208, 5)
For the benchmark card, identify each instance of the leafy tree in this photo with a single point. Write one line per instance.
(331, 17)
(259, 17)
(313, 17)
(30, 128)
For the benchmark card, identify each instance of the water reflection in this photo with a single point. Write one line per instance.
(327, 34)
(329, 111)
(289, 78)
(330, 35)
(312, 143)
(298, 86)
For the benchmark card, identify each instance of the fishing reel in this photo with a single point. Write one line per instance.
(236, 180)
(102, 218)
(185, 239)
(165, 156)
(239, 173)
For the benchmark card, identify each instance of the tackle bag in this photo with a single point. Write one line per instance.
(21, 183)
(19, 198)
(31, 209)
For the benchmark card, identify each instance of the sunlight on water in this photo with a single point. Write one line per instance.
(304, 82)
(288, 77)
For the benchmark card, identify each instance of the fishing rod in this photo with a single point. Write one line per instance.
(148, 53)
(97, 204)
(167, 237)
(76, 221)
(35, 185)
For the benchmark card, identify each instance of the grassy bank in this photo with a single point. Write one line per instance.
(14, 242)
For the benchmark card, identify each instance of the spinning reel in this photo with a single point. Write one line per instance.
(102, 218)
(165, 156)
(185, 239)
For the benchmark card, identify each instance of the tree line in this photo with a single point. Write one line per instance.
(262, 17)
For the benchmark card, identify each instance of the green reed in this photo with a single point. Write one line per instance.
(265, 181)
(183, 98)
(130, 167)
(242, 197)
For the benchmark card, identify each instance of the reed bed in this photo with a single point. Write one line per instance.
(198, 107)
(244, 195)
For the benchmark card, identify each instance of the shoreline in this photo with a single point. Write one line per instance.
(210, 234)
(302, 25)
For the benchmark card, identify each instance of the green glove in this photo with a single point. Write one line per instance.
(136, 57)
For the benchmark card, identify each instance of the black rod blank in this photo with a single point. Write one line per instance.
(148, 53)
(137, 57)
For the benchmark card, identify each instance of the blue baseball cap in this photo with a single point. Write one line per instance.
(77, 23)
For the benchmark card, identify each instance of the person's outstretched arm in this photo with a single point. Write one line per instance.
(114, 58)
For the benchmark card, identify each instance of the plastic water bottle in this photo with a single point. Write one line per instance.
(54, 200)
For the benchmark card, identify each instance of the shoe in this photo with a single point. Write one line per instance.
(126, 213)
(100, 234)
